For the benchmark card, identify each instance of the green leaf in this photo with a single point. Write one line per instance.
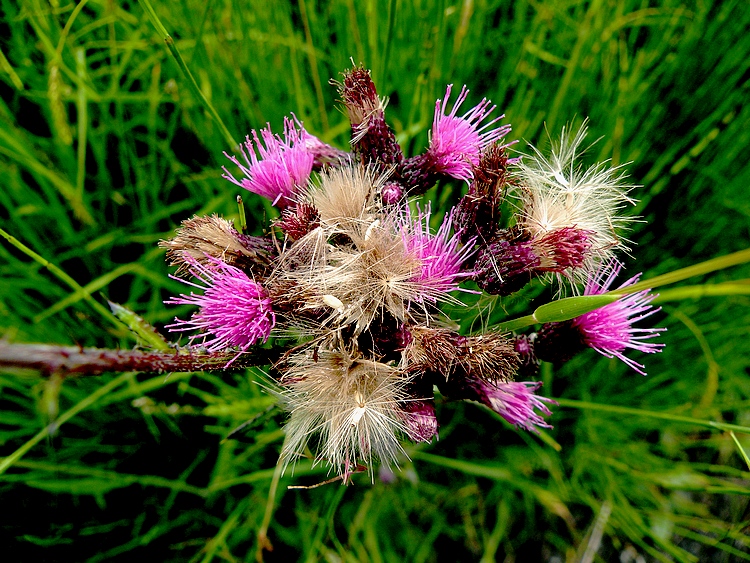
(572, 307)
(86, 486)
(146, 334)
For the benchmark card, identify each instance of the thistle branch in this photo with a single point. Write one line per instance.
(73, 360)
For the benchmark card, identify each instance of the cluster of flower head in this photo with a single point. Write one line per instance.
(353, 272)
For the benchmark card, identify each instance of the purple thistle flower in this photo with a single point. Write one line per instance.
(609, 330)
(419, 420)
(442, 255)
(456, 143)
(284, 166)
(516, 402)
(234, 310)
(507, 264)
(391, 193)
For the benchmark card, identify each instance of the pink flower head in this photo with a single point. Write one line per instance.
(456, 143)
(391, 193)
(609, 330)
(419, 420)
(441, 254)
(284, 166)
(234, 310)
(562, 249)
(516, 402)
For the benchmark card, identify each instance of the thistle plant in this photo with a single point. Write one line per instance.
(118, 441)
(352, 274)
(352, 277)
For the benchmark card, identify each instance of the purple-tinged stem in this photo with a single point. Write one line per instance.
(72, 360)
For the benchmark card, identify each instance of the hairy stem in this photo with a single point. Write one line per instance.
(72, 360)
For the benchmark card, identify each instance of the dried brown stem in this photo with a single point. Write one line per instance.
(72, 360)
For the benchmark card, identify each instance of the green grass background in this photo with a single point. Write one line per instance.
(104, 149)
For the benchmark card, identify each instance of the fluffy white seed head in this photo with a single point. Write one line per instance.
(557, 192)
(345, 195)
(363, 266)
(349, 405)
(371, 275)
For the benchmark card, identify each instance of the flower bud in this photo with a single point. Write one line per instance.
(507, 264)
(208, 238)
(372, 139)
(298, 220)
(420, 420)
(391, 193)
(478, 212)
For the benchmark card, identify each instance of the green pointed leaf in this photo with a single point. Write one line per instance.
(572, 307)
(85, 486)
(146, 334)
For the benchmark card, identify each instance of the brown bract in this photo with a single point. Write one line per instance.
(203, 238)
(490, 356)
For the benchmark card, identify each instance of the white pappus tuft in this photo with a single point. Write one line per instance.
(350, 404)
(557, 192)
(363, 263)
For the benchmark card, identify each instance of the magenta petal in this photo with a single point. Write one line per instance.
(609, 330)
(235, 311)
(442, 255)
(279, 168)
(516, 402)
(456, 143)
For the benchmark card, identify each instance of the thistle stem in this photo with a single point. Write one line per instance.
(570, 307)
(72, 360)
